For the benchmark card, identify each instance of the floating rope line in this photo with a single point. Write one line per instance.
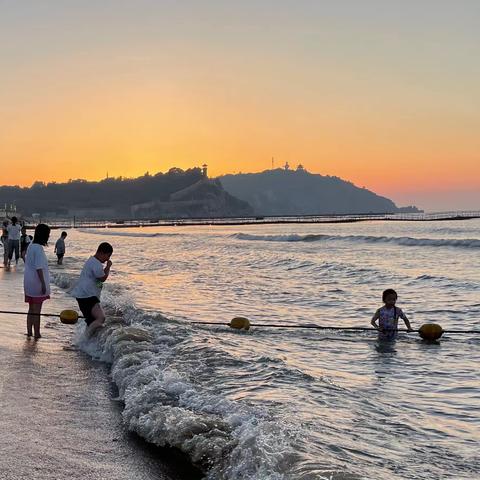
(428, 331)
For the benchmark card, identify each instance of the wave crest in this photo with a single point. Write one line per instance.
(403, 241)
(166, 404)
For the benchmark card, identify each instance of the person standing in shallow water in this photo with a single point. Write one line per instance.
(5, 242)
(36, 280)
(60, 248)
(388, 316)
(14, 232)
(88, 289)
(25, 241)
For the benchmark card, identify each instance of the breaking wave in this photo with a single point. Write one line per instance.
(403, 241)
(158, 369)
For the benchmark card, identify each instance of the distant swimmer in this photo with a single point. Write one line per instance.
(388, 316)
(88, 289)
(36, 280)
(60, 248)
(25, 241)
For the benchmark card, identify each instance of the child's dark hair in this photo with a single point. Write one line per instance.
(42, 232)
(14, 220)
(64, 234)
(105, 247)
(387, 292)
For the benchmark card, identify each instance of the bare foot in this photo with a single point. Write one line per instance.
(91, 332)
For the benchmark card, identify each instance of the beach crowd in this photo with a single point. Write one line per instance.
(17, 244)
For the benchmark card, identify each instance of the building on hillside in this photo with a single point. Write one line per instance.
(9, 211)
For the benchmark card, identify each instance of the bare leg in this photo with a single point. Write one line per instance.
(33, 319)
(5, 252)
(99, 315)
(10, 252)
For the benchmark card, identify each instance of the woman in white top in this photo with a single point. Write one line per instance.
(36, 280)
(14, 231)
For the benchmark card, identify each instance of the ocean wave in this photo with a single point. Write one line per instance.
(403, 241)
(63, 280)
(119, 233)
(165, 401)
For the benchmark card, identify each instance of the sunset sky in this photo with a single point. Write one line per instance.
(380, 92)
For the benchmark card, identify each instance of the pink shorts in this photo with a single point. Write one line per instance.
(36, 300)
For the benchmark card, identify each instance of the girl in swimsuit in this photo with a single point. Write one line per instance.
(388, 316)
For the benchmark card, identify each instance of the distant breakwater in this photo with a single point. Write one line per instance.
(261, 220)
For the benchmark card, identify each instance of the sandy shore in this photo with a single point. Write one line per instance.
(58, 417)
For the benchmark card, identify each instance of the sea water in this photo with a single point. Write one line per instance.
(287, 403)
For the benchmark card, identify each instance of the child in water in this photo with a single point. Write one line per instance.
(89, 287)
(60, 248)
(36, 280)
(25, 241)
(388, 316)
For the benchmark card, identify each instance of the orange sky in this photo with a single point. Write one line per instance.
(387, 99)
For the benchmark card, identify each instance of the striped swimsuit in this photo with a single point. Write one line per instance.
(388, 322)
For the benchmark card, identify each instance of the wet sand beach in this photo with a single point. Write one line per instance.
(59, 418)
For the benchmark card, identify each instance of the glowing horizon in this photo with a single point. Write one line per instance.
(387, 97)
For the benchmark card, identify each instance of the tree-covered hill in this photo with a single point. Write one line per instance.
(298, 192)
(115, 197)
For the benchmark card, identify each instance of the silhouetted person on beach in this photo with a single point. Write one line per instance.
(60, 248)
(25, 241)
(88, 289)
(5, 242)
(14, 232)
(36, 279)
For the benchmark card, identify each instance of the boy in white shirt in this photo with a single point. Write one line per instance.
(89, 287)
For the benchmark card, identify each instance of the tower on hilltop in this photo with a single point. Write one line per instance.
(204, 170)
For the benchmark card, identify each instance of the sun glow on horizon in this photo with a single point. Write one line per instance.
(385, 98)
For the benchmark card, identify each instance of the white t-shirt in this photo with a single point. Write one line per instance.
(35, 260)
(88, 284)
(14, 232)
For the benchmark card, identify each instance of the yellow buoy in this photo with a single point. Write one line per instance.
(240, 323)
(69, 317)
(430, 331)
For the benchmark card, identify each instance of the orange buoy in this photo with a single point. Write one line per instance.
(430, 331)
(69, 317)
(240, 323)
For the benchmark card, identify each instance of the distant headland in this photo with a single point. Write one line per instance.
(298, 192)
(191, 193)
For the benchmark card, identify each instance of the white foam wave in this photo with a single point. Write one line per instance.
(167, 406)
(63, 280)
(403, 241)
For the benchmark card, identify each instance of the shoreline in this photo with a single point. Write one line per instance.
(59, 414)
